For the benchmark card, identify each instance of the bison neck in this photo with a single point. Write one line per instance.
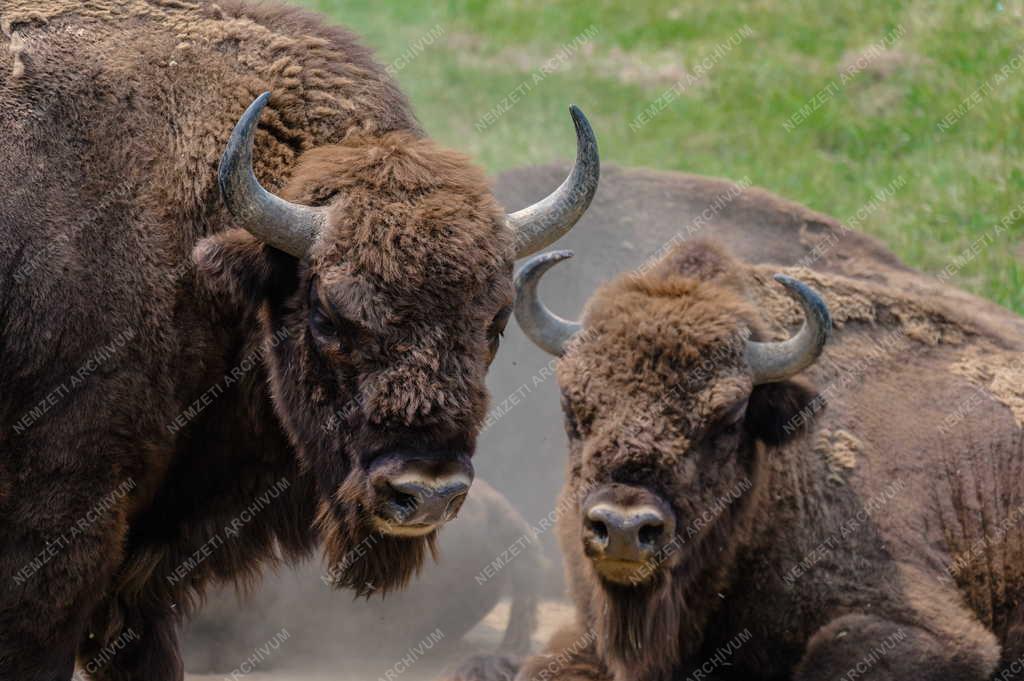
(231, 496)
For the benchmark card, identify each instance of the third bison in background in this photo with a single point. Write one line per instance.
(732, 519)
(367, 636)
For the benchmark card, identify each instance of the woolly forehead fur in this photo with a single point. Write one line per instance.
(661, 355)
(410, 222)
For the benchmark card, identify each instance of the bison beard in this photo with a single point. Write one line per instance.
(361, 557)
(634, 625)
(645, 631)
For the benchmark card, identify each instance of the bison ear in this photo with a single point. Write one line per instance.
(236, 265)
(779, 412)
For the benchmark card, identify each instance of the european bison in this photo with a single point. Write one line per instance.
(316, 375)
(448, 599)
(728, 518)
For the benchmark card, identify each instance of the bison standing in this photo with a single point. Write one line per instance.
(729, 519)
(317, 376)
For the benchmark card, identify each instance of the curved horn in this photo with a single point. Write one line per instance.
(286, 226)
(770, 362)
(549, 331)
(543, 223)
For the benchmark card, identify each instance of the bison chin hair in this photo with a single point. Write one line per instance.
(361, 557)
(638, 628)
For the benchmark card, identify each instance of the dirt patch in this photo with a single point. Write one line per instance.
(875, 63)
(874, 72)
(17, 47)
(1000, 375)
(840, 449)
(921, 319)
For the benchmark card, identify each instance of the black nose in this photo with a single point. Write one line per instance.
(413, 494)
(625, 524)
(420, 501)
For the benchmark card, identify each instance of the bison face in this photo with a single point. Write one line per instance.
(655, 465)
(669, 405)
(381, 309)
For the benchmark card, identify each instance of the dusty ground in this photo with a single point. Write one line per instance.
(482, 639)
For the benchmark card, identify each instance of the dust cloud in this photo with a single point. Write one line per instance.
(483, 595)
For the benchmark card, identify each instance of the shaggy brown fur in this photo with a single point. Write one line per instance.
(916, 540)
(113, 116)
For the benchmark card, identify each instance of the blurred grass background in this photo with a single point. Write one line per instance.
(879, 123)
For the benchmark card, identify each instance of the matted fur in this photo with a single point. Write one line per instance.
(113, 116)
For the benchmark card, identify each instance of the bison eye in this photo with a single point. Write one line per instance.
(730, 420)
(496, 329)
(330, 328)
(319, 319)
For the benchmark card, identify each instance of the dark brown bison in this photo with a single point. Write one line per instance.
(737, 509)
(201, 376)
(448, 599)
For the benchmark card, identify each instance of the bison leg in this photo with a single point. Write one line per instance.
(527, 573)
(147, 648)
(21, 659)
(875, 649)
(61, 531)
(1011, 666)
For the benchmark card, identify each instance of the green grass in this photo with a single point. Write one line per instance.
(880, 125)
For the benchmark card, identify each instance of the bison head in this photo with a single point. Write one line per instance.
(671, 402)
(380, 287)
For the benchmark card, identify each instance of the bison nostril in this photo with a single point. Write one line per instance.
(598, 528)
(453, 507)
(412, 497)
(422, 501)
(406, 503)
(650, 534)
